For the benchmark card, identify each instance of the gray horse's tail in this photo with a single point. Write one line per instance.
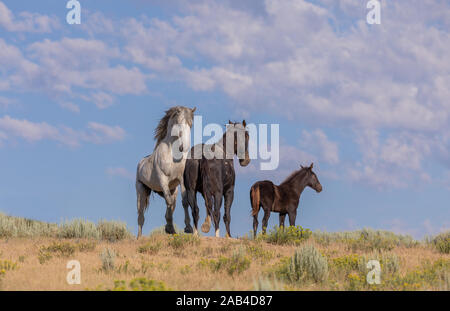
(143, 195)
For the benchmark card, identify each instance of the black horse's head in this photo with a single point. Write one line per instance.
(240, 141)
(312, 181)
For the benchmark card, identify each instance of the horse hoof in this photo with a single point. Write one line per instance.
(188, 230)
(170, 229)
(205, 228)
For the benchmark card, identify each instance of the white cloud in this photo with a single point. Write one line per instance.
(96, 133)
(28, 130)
(316, 63)
(5, 101)
(69, 63)
(313, 68)
(26, 21)
(101, 133)
(320, 144)
(397, 160)
(70, 106)
(290, 159)
(102, 100)
(57, 67)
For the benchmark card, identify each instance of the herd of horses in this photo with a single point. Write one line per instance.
(214, 177)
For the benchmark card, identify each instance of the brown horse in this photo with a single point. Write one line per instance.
(214, 177)
(282, 199)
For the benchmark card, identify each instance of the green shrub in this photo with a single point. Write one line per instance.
(44, 256)
(7, 265)
(256, 251)
(150, 248)
(237, 263)
(127, 267)
(180, 241)
(113, 231)
(266, 284)
(354, 268)
(60, 249)
(140, 284)
(306, 264)
(22, 227)
(356, 281)
(366, 239)
(390, 264)
(290, 235)
(108, 257)
(442, 242)
(430, 276)
(186, 269)
(347, 263)
(63, 249)
(78, 229)
(162, 230)
(85, 246)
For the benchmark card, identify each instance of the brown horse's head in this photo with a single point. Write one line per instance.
(313, 181)
(241, 139)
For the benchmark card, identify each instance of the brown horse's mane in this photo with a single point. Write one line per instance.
(294, 175)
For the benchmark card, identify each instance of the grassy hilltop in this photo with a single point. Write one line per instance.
(34, 255)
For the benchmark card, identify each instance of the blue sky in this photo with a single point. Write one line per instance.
(367, 103)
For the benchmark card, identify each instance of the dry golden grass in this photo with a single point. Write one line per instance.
(179, 268)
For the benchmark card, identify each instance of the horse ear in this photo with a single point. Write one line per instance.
(244, 123)
(311, 166)
(301, 166)
(193, 109)
(229, 122)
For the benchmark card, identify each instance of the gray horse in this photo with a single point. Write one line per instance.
(162, 171)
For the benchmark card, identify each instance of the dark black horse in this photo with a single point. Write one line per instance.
(212, 174)
(282, 199)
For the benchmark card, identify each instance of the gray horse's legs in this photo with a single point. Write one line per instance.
(141, 220)
(142, 192)
(169, 221)
(169, 211)
(185, 201)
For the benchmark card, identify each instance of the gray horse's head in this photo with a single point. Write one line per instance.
(175, 123)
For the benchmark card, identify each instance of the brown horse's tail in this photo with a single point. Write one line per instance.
(255, 199)
(209, 188)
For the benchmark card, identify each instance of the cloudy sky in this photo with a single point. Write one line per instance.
(368, 104)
